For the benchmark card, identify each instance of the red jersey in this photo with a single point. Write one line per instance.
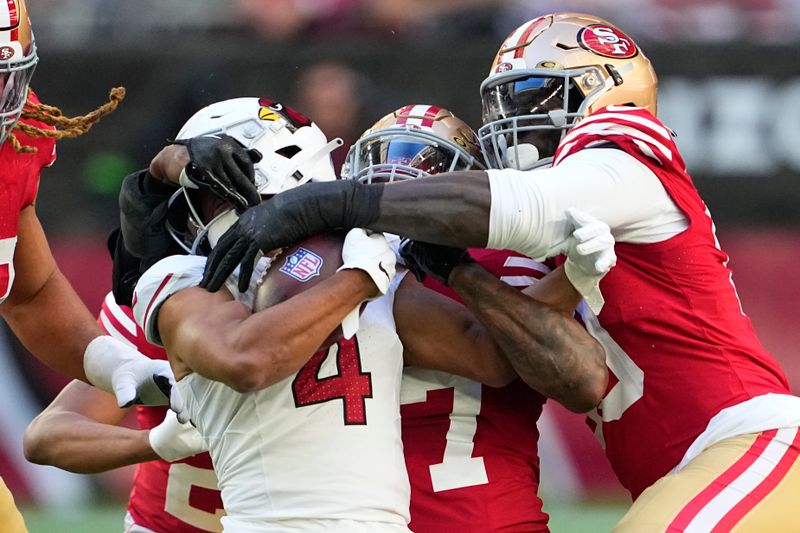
(471, 450)
(20, 182)
(179, 497)
(678, 346)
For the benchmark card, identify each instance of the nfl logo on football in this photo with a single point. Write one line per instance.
(302, 265)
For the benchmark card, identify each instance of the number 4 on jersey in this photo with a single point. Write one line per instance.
(350, 384)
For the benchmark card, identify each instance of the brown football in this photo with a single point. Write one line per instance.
(299, 268)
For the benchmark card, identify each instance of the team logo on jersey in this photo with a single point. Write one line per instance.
(302, 265)
(607, 42)
(6, 53)
(503, 67)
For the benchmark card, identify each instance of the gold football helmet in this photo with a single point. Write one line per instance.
(550, 73)
(412, 142)
(17, 62)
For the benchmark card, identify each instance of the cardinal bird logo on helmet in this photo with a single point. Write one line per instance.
(272, 110)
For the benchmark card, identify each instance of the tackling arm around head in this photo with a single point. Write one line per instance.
(450, 208)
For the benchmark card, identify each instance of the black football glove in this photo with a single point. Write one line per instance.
(288, 218)
(434, 260)
(125, 271)
(143, 211)
(141, 199)
(220, 164)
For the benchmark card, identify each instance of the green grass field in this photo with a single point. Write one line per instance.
(570, 518)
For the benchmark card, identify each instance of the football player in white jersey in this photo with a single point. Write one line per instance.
(316, 431)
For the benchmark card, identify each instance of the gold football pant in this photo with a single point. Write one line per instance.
(10, 517)
(749, 483)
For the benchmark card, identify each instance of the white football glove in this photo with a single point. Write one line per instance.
(130, 376)
(173, 440)
(371, 253)
(590, 256)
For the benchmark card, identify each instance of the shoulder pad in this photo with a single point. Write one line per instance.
(159, 282)
(633, 128)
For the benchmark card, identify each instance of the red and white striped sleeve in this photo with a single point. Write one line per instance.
(117, 321)
(158, 283)
(634, 129)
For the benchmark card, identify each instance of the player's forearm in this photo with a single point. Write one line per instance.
(548, 349)
(441, 334)
(556, 291)
(78, 444)
(167, 165)
(54, 325)
(254, 351)
(299, 326)
(450, 209)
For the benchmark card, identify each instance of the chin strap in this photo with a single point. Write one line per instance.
(220, 225)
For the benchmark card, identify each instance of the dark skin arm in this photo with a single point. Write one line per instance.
(43, 309)
(439, 333)
(450, 209)
(78, 432)
(217, 337)
(547, 348)
(167, 165)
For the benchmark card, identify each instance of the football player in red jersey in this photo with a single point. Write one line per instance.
(36, 300)
(470, 449)
(698, 422)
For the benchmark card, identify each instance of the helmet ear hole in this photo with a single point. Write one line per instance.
(288, 151)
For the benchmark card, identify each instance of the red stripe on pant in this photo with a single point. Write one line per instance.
(762, 490)
(697, 503)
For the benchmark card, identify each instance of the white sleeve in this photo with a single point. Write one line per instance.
(528, 208)
(159, 282)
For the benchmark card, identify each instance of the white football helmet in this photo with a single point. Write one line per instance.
(17, 62)
(293, 151)
(413, 142)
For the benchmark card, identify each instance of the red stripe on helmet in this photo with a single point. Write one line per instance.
(430, 115)
(13, 14)
(402, 117)
(524, 37)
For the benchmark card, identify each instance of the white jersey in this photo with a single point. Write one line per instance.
(320, 450)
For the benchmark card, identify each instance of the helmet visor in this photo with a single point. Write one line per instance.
(14, 90)
(397, 157)
(14, 82)
(532, 95)
(532, 109)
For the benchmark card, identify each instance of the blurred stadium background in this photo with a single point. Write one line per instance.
(730, 87)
